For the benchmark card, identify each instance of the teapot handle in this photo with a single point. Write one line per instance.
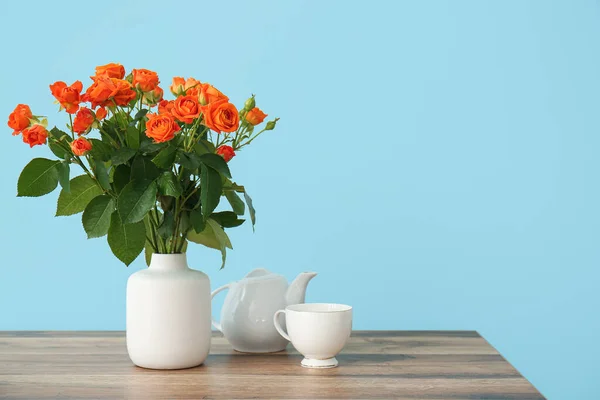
(213, 294)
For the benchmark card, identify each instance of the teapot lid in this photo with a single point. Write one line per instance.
(260, 273)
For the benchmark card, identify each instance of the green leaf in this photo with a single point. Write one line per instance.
(59, 135)
(250, 209)
(167, 226)
(132, 137)
(207, 237)
(143, 168)
(227, 219)
(96, 216)
(148, 146)
(216, 162)
(122, 155)
(83, 190)
(210, 190)
(189, 161)
(139, 116)
(197, 221)
(57, 150)
(126, 240)
(228, 185)
(38, 178)
(166, 157)
(121, 177)
(135, 200)
(169, 185)
(64, 174)
(204, 146)
(100, 150)
(102, 174)
(237, 204)
(212, 236)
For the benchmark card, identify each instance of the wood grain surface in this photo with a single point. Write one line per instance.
(374, 365)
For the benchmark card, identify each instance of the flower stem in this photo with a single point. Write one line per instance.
(71, 127)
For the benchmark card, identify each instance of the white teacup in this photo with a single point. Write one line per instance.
(318, 331)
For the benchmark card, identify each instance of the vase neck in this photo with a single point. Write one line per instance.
(168, 262)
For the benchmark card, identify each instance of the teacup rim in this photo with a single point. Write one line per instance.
(301, 308)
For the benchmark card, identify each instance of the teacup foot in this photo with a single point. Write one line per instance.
(313, 363)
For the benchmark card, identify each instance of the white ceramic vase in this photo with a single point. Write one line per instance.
(168, 314)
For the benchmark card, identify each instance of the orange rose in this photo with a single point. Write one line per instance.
(125, 92)
(81, 146)
(255, 116)
(101, 113)
(144, 79)
(210, 94)
(161, 128)
(165, 107)
(19, 118)
(83, 120)
(221, 116)
(181, 86)
(35, 135)
(100, 92)
(153, 97)
(105, 90)
(192, 87)
(186, 109)
(226, 152)
(67, 96)
(112, 70)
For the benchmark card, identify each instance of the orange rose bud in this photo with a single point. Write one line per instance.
(19, 118)
(178, 86)
(81, 146)
(210, 94)
(249, 104)
(221, 116)
(67, 96)
(226, 152)
(255, 116)
(101, 113)
(144, 79)
(271, 125)
(35, 135)
(165, 107)
(83, 120)
(112, 70)
(186, 109)
(161, 128)
(153, 97)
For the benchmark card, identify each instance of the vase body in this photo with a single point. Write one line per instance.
(168, 314)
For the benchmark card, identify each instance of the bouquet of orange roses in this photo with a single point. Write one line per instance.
(154, 170)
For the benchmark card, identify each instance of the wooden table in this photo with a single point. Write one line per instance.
(374, 364)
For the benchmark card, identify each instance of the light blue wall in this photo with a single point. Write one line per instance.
(436, 162)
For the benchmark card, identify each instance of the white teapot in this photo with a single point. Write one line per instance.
(247, 314)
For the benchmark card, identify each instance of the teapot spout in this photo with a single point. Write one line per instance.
(297, 290)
